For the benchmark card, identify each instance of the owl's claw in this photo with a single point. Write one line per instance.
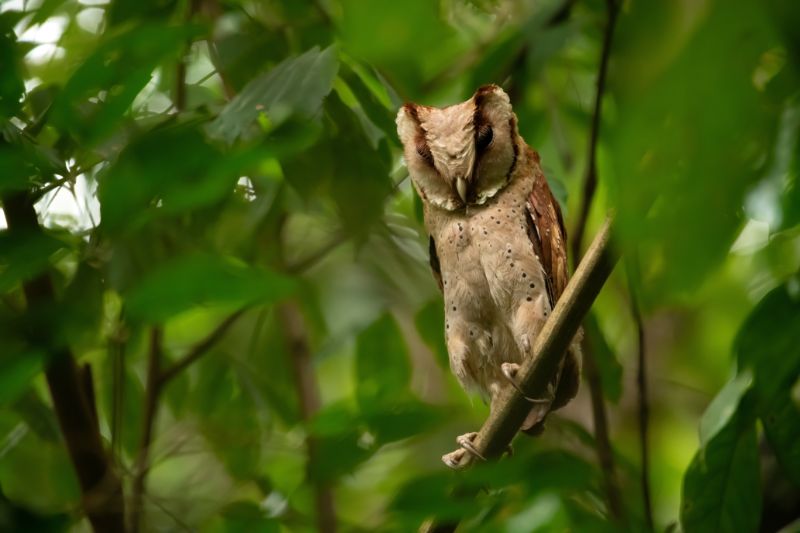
(510, 371)
(453, 459)
(465, 441)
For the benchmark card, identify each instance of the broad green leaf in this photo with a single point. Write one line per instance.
(378, 113)
(203, 280)
(17, 370)
(430, 325)
(361, 180)
(36, 473)
(387, 38)
(11, 85)
(339, 442)
(244, 517)
(24, 255)
(383, 370)
(248, 48)
(148, 179)
(781, 420)
(721, 487)
(122, 11)
(102, 89)
(676, 158)
(767, 346)
(296, 86)
(724, 407)
(768, 342)
(607, 364)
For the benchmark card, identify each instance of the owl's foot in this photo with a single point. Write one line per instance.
(510, 371)
(453, 459)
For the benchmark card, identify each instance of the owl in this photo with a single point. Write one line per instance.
(497, 245)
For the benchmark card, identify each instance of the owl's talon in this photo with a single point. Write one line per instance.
(465, 441)
(453, 459)
(510, 371)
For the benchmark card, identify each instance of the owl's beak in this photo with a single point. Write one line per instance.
(461, 187)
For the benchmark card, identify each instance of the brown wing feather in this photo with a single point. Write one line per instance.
(547, 233)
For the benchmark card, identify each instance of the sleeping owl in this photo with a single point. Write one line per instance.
(497, 245)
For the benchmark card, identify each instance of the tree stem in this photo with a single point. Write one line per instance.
(101, 488)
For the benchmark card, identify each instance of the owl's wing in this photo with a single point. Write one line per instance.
(547, 233)
(434, 260)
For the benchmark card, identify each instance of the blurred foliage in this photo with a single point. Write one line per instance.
(193, 158)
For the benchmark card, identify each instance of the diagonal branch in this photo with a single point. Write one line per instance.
(548, 351)
(199, 349)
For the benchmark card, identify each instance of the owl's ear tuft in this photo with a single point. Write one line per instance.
(407, 122)
(491, 96)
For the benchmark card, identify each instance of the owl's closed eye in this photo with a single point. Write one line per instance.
(462, 154)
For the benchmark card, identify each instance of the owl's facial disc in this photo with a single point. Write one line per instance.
(462, 154)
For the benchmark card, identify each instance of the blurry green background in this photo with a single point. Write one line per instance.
(192, 158)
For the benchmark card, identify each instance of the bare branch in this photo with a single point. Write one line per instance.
(200, 349)
(151, 394)
(552, 342)
(605, 453)
(641, 386)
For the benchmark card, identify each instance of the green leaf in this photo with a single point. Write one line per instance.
(781, 421)
(203, 280)
(676, 160)
(721, 487)
(767, 346)
(17, 370)
(724, 407)
(11, 85)
(608, 366)
(246, 516)
(103, 88)
(296, 86)
(148, 179)
(378, 113)
(24, 255)
(767, 343)
(430, 325)
(383, 370)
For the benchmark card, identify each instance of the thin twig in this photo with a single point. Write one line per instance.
(199, 349)
(605, 452)
(603, 447)
(151, 394)
(308, 394)
(547, 353)
(590, 181)
(641, 385)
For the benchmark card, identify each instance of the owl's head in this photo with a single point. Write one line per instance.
(462, 154)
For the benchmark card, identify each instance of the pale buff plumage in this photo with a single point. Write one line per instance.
(497, 240)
